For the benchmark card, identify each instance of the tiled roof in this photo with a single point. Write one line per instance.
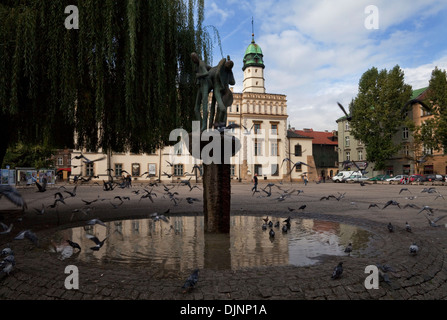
(294, 134)
(319, 137)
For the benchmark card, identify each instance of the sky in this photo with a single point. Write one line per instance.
(315, 51)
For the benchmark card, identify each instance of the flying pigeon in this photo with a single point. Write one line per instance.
(27, 234)
(12, 195)
(191, 281)
(74, 245)
(96, 221)
(99, 243)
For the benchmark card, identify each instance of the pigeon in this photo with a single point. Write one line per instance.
(284, 228)
(8, 263)
(432, 223)
(407, 227)
(302, 207)
(41, 187)
(391, 202)
(271, 233)
(12, 195)
(192, 200)
(99, 243)
(348, 249)
(40, 211)
(390, 227)
(373, 205)
(404, 189)
(264, 226)
(191, 281)
(427, 208)
(338, 270)
(348, 117)
(277, 224)
(95, 221)
(72, 193)
(414, 249)
(411, 205)
(74, 245)
(28, 234)
(6, 229)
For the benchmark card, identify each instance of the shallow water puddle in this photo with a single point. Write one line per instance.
(180, 244)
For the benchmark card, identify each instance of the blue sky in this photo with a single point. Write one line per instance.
(315, 51)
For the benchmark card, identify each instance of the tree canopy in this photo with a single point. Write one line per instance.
(377, 112)
(121, 81)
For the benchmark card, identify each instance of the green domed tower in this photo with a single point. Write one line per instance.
(253, 68)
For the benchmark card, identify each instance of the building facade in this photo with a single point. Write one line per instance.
(262, 118)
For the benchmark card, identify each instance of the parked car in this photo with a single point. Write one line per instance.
(356, 178)
(418, 178)
(434, 177)
(380, 177)
(398, 178)
(339, 177)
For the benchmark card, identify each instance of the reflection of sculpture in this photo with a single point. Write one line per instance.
(217, 79)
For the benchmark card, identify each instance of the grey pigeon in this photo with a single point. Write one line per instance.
(28, 234)
(191, 282)
(12, 195)
(6, 229)
(338, 270)
(407, 227)
(414, 249)
(96, 221)
(390, 227)
(271, 233)
(391, 202)
(98, 243)
(348, 249)
(433, 223)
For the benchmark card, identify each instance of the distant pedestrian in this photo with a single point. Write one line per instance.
(255, 181)
(305, 179)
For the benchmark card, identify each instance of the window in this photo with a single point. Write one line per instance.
(275, 171)
(60, 161)
(258, 149)
(257, 127)
(406, 169)
(89, 170)
(347, 141)
(406, 150)
(360, 155)
(298, 150)
(232, 170)
(178, 170)
(135, 169)
(427, 150)
(298, 168)
(274, 129)
(258, 169)
(237, 108)
(347, 126)
(348, 156)
(274, 149)
(405, 133)
(118, 169)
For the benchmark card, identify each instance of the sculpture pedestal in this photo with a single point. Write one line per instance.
(217, 197)
(216, 180)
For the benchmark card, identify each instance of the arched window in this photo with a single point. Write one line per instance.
(298, 150)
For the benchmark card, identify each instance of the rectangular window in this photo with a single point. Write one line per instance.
(406, 169)
(257, 127)
(178, 170)
(347, 127)
(298, 168)
(347, 141)
(298, 150)
(89, 170)
(232, 170)
(135, 169)
(360, 155)
(274, 129)
(274, 149)
(348, 156)
(60, 161)
(258, 149)
(258, 169)
(118, 169)
(405, 133)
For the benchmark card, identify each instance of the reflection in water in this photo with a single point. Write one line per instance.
(181, 244)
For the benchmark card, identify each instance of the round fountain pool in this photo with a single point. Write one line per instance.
(181, 243)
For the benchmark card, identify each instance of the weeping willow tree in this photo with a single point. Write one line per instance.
(121, 81)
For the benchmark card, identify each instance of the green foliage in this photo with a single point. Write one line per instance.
(376, 112)
(122, 81)
(27, 156)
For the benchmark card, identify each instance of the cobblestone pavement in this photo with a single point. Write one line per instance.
(39, 275)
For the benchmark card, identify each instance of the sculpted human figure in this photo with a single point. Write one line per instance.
(218, 80)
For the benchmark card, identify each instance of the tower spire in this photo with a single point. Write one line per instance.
(252, 31)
